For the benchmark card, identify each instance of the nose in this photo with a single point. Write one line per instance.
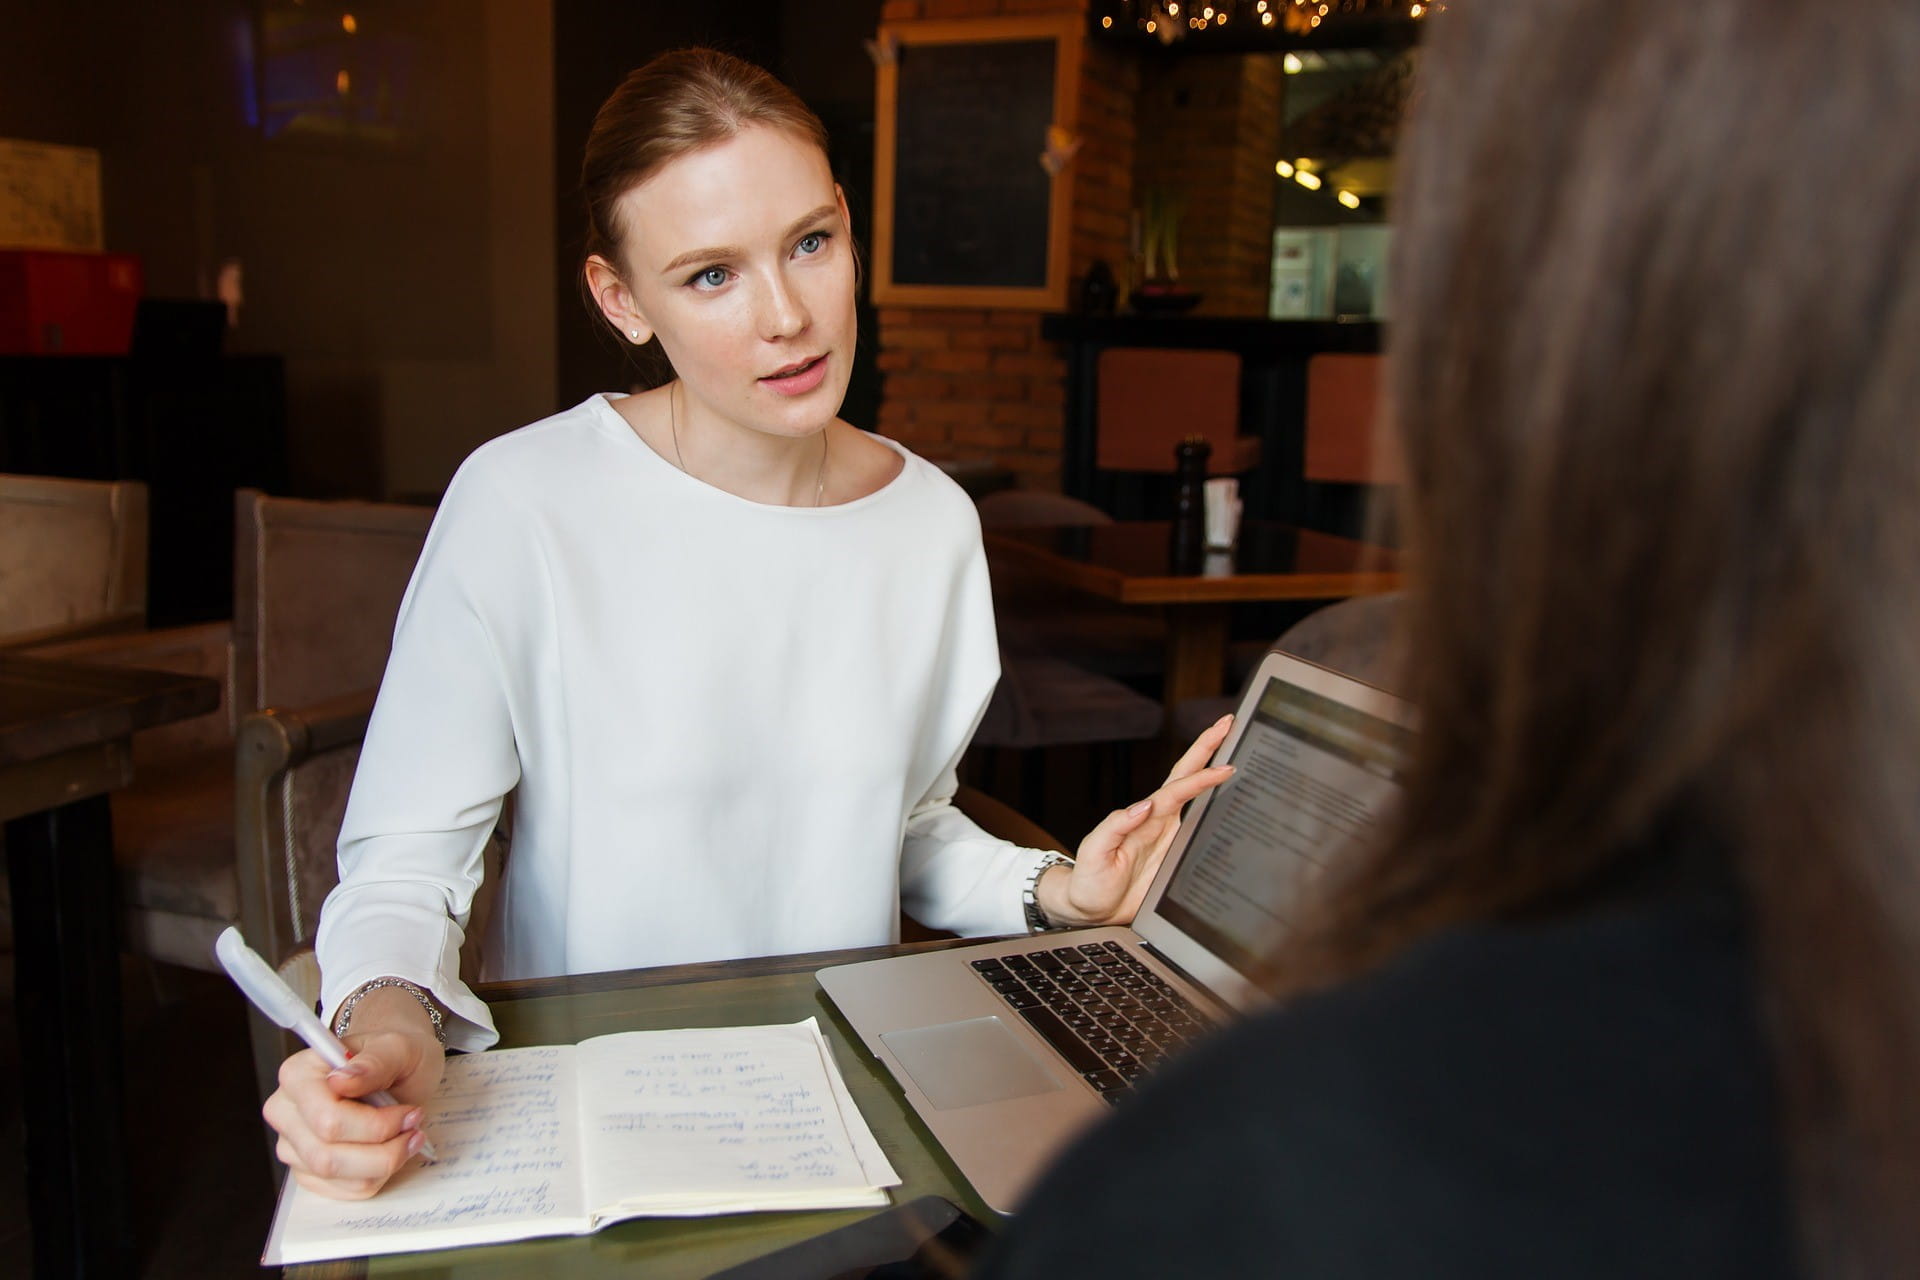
(782, 314)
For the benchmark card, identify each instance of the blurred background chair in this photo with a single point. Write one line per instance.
(1035, 616)
(317, 586)
(73, 558)
(1064, 661)
(1043, 703)
(73, 575)
(1148, 400)
(1351, 457)
(1344, 439)
(1359, 638)
(294, 769)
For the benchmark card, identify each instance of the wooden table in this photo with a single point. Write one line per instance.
(65, 734)
(736, 993)
(1131, 561)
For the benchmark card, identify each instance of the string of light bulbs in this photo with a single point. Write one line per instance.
(1170, 20)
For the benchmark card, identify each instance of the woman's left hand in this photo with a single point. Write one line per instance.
(1119, 858)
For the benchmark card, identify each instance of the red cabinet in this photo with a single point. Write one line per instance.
(54, 303)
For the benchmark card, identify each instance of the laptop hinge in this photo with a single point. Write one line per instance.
(1190, 980)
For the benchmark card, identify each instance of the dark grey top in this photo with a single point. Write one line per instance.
(1586, 1096)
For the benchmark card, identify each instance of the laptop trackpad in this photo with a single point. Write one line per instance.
(966, 1064)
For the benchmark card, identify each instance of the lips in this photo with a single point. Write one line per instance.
(794, 368)
(799, 378)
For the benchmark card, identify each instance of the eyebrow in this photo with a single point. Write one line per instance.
(794, 228)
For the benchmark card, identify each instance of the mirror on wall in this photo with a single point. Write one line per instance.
(1333, 180)
(1273, 125)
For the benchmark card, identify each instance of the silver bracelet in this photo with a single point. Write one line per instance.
(1036, 916)
(344, 1018)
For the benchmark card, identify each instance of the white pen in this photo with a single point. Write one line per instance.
(272, 996)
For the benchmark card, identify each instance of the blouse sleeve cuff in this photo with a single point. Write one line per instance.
(469, 1023)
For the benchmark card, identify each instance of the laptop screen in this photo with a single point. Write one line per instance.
(1312, 776)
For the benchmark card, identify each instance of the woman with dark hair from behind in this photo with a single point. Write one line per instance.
(1629, 987)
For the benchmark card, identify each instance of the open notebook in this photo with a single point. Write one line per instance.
(564, 1139)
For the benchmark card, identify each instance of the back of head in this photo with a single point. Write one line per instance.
(1657, 304)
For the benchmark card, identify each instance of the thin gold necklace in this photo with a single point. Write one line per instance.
(673, 425)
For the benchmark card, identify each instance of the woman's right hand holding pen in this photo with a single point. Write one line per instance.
(342, 1148)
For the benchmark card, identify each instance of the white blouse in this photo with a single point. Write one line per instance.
(733, 727)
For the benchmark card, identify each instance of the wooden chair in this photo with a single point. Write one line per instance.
(1063, 657)
(294, 768)
(1359, 637)
(73, 573)
(316, 588)
(1346, 441)
(1151, 398)
(73, 558)
(1036, 617)
(1351, 453)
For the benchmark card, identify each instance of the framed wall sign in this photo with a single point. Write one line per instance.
(973, 173)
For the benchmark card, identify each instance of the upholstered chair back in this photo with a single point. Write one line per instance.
(1150, 399)
(317, 586)
(73, 558)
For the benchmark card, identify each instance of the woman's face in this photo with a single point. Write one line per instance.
(739, 258)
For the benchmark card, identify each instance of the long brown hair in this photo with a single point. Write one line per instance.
(1655, 363)
(679, 102)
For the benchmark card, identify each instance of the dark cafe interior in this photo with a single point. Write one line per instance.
(1131, 637)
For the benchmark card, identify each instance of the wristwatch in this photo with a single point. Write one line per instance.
(1037, 921)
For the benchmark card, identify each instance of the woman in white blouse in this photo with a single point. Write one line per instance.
(725, 649)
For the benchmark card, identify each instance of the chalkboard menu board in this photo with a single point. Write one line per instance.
(967, 214)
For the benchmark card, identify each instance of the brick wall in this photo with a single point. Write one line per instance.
(1208, 128)
(1256, 146)
(980, 383)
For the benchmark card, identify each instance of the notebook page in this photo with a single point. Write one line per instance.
(716, 1120)
(866, 1147)
(504, 1124)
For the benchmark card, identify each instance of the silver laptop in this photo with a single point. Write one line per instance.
(1009, 1048)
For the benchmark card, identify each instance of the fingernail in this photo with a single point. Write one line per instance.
(1223, 719)
(414, 1143)
(412, 1119)
(1140, 808)
(352, 1071)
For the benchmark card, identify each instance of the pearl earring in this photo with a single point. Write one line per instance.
(635, 333)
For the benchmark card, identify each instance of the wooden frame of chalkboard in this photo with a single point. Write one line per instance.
(965, 215)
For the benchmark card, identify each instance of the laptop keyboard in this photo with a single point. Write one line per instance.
(1107, 1014)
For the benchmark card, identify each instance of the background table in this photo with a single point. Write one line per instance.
(737, 993)
(1132, 562)
(65, 734)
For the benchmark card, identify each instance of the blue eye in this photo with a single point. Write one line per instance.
(712, 277)
(811, 244)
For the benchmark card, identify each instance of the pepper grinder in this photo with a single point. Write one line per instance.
(1187, 547)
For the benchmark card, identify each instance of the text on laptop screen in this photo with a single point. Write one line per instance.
(1311, 777)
